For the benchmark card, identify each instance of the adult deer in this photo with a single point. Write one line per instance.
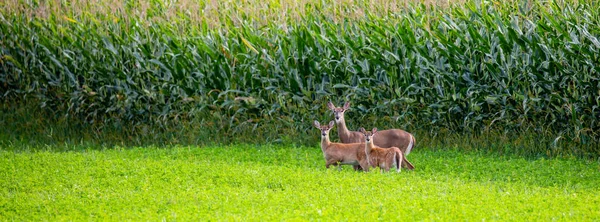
(340, 153)
(385, 138)
(383, 158)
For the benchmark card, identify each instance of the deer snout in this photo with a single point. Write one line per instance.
(337, 116)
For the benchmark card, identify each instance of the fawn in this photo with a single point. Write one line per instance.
(385, 138)
(380, 157)
(338, 154)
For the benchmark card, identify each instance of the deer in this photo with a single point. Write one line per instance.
(338, 154)
(380, 157)
(385, 138)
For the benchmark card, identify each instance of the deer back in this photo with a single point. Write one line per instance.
(392, 138)
(353, 137)
(384, 139)
(344, 152)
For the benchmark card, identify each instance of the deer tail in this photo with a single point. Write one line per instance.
(411, 144)
(407, 164)
(398, 160)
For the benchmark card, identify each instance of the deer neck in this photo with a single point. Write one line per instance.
(343, 131)
(368, 148)
(325, 142)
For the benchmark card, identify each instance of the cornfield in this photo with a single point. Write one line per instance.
(468, 67)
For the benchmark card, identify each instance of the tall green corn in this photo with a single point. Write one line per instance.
(471, 67)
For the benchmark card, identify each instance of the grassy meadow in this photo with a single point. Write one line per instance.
(258, 182)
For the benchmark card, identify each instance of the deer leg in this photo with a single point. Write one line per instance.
(386, 168)
(331, 162)
(364, 165)
(388, 160)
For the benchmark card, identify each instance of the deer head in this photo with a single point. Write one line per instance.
(368, 134)
(338, 112)
(325, 128)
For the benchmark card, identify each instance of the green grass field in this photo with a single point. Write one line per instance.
(246, 182)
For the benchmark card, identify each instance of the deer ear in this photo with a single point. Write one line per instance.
(346, 105)
(331, 124)
(330, 105)
(374, 130)
(362, 130)
(317, 124)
